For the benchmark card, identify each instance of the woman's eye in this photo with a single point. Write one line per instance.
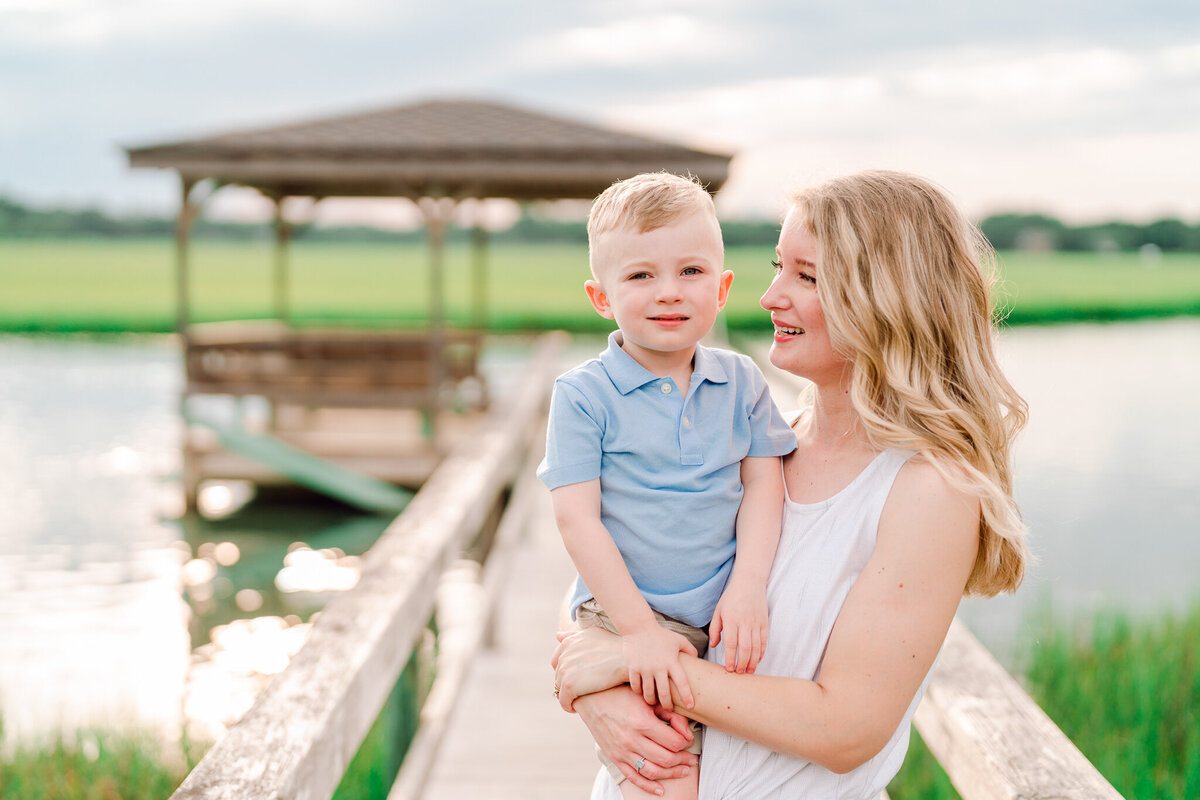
(804, 276)
(776, 265)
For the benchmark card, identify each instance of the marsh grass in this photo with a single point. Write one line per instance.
(91, 765)
(1125, 691)
(98, 765)
(99, 285)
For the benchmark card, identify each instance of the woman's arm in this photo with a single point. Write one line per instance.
(884, 641)
(887, 634)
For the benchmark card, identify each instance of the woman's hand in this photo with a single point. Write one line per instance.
(587, 661)
(627, 730)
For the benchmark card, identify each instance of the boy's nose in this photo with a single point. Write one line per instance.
(668, 292)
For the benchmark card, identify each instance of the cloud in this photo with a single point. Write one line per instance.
(1007, 128)
(970, 93)
(626, 43)
(1053, 76)
(95, 23)
(779, 81)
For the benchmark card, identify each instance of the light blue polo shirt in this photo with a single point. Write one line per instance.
(669, 466)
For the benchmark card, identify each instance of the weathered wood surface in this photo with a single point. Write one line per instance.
(507, 738)
(466, 599)
(992, 739)
(329, 367)
(298, 738)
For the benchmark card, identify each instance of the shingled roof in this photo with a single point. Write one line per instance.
(436, 148)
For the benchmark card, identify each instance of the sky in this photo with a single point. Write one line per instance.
(1088, 110)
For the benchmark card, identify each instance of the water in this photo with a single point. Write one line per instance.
(92, 624)
(100, 609)
(1108, 472)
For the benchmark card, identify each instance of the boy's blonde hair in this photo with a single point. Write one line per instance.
(644, 203)
(905, 284)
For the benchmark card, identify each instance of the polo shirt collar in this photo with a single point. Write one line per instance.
(627, 374)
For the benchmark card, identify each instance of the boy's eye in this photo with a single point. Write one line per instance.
(691, 270)
(637, 276)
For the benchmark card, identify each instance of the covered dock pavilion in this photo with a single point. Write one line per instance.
(319, 382)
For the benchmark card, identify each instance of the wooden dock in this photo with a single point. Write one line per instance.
(508, 738)
(489, 726)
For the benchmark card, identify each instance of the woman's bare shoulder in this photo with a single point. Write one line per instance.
(942, 480)
(925, 502)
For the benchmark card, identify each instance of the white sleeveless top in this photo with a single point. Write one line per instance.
(822, 549)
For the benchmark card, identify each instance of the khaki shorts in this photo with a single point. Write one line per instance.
(591, 615)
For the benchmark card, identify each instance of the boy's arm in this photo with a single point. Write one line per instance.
(653, 651)
(741, 614)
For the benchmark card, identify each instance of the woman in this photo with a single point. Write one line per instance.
(899, 500)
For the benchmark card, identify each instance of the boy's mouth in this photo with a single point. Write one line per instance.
(669, 318)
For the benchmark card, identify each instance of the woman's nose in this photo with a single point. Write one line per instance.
(770, 298)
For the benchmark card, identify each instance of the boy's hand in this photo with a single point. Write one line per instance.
(741, 616)
(652, 655)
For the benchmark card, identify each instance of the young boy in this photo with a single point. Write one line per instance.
(662, 455)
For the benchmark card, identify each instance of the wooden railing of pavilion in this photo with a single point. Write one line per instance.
(993, 740)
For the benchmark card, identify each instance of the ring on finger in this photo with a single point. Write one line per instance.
(637, 765)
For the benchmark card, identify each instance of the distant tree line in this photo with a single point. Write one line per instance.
(1041, 232)
(1005, 231)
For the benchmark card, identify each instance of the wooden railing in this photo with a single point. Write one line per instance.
(297, 739)
(992, 739)
(328, 367)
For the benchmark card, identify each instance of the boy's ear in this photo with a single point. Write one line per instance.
(595, 293)
(723, 289)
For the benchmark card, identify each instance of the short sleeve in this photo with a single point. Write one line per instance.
(574, 434)
(770, 434)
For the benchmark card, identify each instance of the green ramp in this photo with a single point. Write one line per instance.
(353, 488)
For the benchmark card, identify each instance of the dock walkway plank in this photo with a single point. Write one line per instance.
(508, 739)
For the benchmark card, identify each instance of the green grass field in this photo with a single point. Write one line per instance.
(128, 285)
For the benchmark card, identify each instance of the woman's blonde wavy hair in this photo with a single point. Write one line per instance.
(905, 284)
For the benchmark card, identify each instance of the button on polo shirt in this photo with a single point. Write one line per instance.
(669, 489)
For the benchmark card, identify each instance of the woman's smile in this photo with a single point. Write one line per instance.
(783, 332)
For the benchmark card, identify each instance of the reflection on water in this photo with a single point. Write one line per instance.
(105, 599)
(290, 551)
(231, 670)
(92, 624)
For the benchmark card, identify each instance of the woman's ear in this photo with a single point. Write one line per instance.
(595, 293)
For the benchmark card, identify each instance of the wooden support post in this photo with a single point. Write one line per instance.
(280, 276)
(437, 213)
(183, 227)
(479, 273)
